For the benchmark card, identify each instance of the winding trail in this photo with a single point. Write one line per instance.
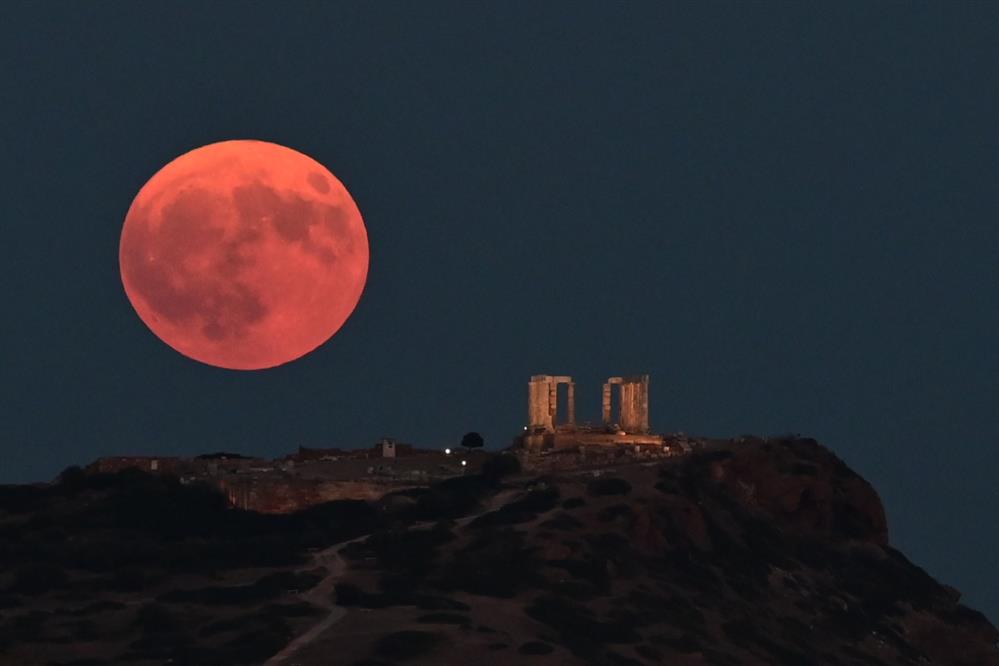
(322, 594)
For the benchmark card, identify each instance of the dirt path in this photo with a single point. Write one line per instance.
(322, 594)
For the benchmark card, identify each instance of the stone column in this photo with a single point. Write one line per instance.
(635, 404)
(533, 418)
(607, 404)
(571, 403)
(643, 404)
(552, 404)
(628, 415)
(539, 403)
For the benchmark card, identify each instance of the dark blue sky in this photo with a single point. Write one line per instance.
(786, 214)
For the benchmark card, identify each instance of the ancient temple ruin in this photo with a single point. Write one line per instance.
(628, 423)
(542, 401)
(634, 401)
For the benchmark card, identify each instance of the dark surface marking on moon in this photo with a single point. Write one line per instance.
(319, 182)
(337, 223)
(228, 317)
(290, 217)
(157, 264)
(293, 218)
(232, 259)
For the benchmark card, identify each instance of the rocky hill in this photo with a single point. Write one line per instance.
(748, 552)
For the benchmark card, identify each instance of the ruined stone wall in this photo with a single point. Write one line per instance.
(113, 464)
(291, 494)
(593, 457)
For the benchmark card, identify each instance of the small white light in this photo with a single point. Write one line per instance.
(525, 427)
(447, 452)
(463, 463)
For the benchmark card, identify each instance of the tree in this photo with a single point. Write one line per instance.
(72, 479)
(472, 440)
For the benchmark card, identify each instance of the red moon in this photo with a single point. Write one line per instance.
(244, 254)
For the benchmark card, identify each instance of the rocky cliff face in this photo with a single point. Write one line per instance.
(803, 486)
(755, 552)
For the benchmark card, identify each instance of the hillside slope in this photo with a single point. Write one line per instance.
(747, 552)
(754, 553)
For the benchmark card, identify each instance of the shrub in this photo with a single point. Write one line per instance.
(612, 513)
(451, 498)
(496, 564)
(296, 609)
(428, 602)
(535, 647)
(35, 579)
(96, 607)
(563, 522)
(610, 486)
(412, 551)
(257, 646)
(649, 652)
(72, 479)
(472, 440)
(133, 578)
(268, 587)
(522, 510)
(282, 581)
(404, 645)
(29, 627)
(347, 594)
(499, 466)
(578, 625)
(154, 618)
(444, 618)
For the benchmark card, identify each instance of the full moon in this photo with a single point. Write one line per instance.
(244, 254)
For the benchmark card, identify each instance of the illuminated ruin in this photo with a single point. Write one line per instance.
(628, 424)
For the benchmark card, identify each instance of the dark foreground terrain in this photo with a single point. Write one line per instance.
(755, 552)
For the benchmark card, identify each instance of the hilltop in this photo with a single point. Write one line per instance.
(742, 552)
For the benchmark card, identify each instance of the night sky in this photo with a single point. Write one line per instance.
(786, 214)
